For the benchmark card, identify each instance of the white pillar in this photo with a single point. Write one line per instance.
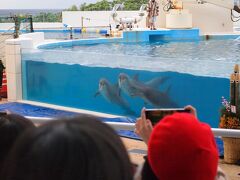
(14, 47)
(13, 69)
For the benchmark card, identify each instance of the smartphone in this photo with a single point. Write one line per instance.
(155, 115)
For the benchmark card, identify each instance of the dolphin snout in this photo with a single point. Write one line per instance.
(120, 80)
(122, 77)
(102, 83)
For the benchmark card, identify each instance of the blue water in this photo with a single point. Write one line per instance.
(213, 58)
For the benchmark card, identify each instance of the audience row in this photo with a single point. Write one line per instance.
(84, 148)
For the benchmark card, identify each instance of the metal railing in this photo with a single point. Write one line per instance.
(8, 34)
(131, 126)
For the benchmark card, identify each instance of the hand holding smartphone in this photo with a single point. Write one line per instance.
(155, 115)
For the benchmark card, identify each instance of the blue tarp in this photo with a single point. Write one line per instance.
(39, 111)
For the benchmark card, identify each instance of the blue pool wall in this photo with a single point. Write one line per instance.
(134, 37)
(163, 35)
(143, 36)
(147, 35)
(68, 85)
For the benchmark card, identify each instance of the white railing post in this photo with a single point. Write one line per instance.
(13, 69)
(14, 47)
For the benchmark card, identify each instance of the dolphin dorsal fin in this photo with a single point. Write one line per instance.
(168, 90)
(117, 88)
(155, 83)
(119, 92)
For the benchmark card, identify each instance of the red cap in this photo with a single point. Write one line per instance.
(182, 148)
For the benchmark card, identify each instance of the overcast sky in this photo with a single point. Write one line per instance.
(40, 4)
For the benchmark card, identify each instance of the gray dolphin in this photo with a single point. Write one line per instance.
(111, 94)
(146, 91)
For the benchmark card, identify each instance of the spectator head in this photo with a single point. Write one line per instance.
(181, 147)
(75, 148)
(11, 127)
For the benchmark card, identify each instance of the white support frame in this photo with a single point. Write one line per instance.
(218, 132)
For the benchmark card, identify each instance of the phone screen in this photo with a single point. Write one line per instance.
(155, 115)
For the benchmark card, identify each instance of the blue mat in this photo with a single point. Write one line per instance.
(35, 111)
(38, 111)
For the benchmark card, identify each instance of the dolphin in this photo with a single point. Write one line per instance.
(146, 91)
(111, 94)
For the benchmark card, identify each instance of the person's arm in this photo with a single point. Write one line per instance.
(148, 7)
(157, 7)
(143, 127)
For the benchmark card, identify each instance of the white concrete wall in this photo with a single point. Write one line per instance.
(6, 26)
(97, 18)
(208, 18)
(56, 25)
(36, 38)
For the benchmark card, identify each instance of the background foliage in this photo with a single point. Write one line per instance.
(107, 5)
(103, 5)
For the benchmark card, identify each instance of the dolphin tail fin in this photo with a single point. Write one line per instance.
(168, 90)
(136, 77)
(130, 112)
(154, 83)
(97, 94)
(118, 89)
(172, 103)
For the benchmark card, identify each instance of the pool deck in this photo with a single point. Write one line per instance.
(137, 149)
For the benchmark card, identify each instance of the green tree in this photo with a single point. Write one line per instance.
(107, 5)
(73, 8)
(82, 6)
(48, 17)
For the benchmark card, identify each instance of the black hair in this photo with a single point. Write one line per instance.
(11, 127)
(147, 172)
(69, 149)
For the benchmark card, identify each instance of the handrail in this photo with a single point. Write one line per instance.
(218, 132)
(3, 38)
(74, 27)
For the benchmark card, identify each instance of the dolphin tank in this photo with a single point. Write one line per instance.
(130, 76)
